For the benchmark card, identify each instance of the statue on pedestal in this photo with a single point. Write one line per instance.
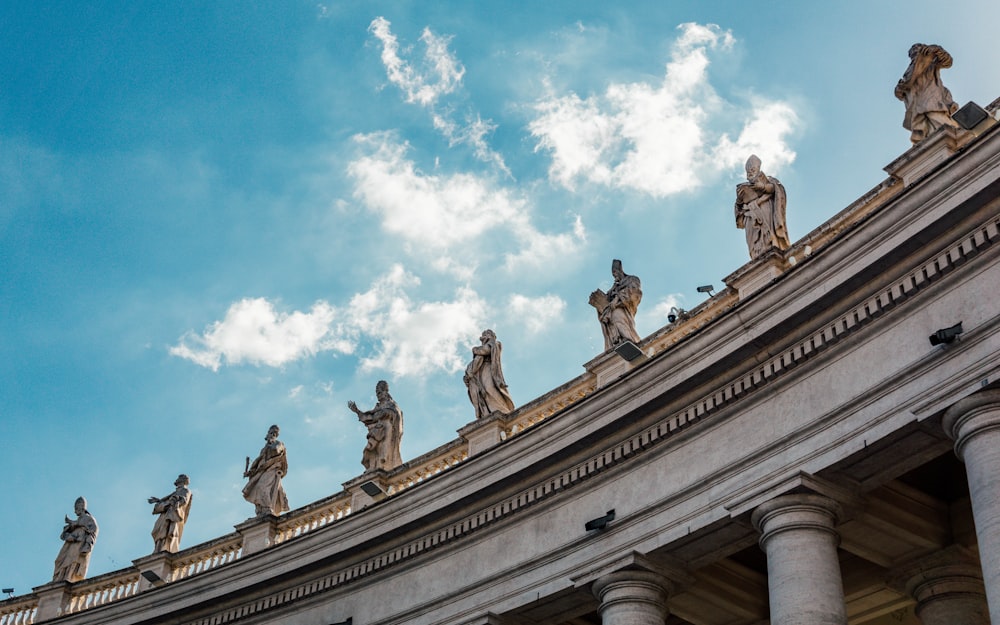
(385, 431)
(484, 378)
(928, 103)
(760, 211)
(616, 309)
(173, 510)
(264, 489)
(78, 538)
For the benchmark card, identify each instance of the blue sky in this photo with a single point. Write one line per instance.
(220, 216)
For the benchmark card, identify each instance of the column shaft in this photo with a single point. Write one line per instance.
(803, 572)
(974, 424)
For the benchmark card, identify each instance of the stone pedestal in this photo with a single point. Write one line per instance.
(925, 156)
(757, 274)
(52, 600)
(155, 570)
(483, 434)
(632, 597)
(974, 424)
(367, 489)
(258, 533)
(803, 573)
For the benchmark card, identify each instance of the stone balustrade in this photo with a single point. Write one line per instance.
(314, 516)
(206, 556)
(428, 465)
(19, 610)
(102, 590)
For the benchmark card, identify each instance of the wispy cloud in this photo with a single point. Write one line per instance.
(439, 74)
(657, 139)
(536, 313)
(443, 216)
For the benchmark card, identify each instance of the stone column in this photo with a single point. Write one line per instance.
(632, 597)
(974, 424)
(803, 573)
(949, 594)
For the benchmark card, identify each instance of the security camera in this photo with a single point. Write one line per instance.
(945, 336)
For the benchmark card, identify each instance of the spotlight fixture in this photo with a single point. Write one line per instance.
(970, 116)
(944, 336)
(628, 351)
(349, 621)
(8, 591)
(708, 288)
(373, 490)
(600, 522)
(674, 314)
(153, 578)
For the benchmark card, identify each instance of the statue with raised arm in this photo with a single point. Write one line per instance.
(760, 211)
(173, 510)
(616, 309)
(385, 431)
(78, 538)
(484, 378)
(928, 103)
(264, 489)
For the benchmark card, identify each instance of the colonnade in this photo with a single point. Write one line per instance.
(799, 536)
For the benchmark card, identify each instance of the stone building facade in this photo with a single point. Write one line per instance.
(805, 447)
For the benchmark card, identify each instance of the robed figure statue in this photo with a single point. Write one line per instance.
(385, 431)
(484, 378)
(78, 538)
(760, 211)
(173, 514)
(264, 490)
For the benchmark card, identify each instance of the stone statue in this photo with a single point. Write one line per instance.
(760, 211)
(616, 308)
(173, 510)
(78, 538)
(264, 489)
(385, 431)
(484, 378)
(928, 103)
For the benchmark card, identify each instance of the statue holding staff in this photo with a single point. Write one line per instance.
(264, 489)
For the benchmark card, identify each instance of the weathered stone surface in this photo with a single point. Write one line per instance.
(385, 431)
(484, 378)
(78, 536)
(173, 514)
(760, 211)
(264, 490)
(928, 102)
(616, 309)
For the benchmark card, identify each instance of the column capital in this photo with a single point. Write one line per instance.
(971, 415)
(798, 511)
(632, 597)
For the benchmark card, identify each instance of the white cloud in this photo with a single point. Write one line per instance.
(443, 216)
(295, 391)
(254, 332)
(764, 135)
(656, 139)
(536, 313)
(414, 338)
(441, 73)
(399, 335)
